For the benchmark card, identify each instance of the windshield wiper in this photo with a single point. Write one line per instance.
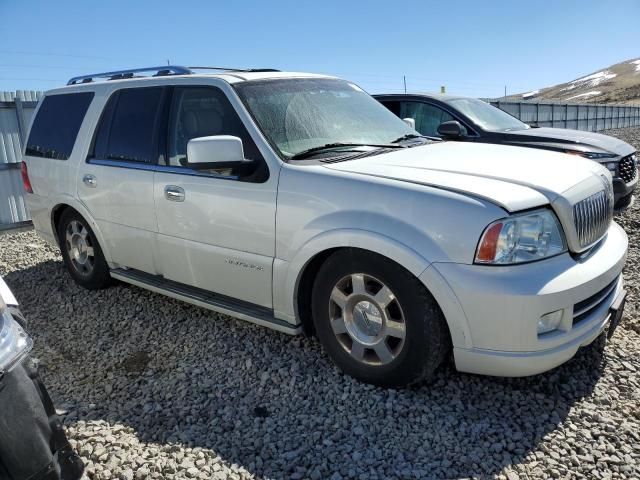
(310, 151)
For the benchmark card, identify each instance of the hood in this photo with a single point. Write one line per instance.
(578, 138)
(515, 178)
(6, 294)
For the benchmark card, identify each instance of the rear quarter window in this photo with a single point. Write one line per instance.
(56, 125)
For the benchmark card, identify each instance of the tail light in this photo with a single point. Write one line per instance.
(25, 178)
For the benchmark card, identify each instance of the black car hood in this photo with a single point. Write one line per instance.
(556, 137)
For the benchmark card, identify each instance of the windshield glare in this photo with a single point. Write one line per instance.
(299, 114)
(487, 116)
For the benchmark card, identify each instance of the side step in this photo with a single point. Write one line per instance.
(203, 298)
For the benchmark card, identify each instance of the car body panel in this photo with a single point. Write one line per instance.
(6, 295)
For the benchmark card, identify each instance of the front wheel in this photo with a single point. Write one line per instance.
(81, 252)
(376, 321)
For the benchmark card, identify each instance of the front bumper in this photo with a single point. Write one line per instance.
(623, 193)
(502, 306)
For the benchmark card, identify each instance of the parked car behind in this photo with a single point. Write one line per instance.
(472, 120)
(33, 445)
(297, 201)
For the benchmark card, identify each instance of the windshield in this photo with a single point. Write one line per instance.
(487, 116)
(301, 114)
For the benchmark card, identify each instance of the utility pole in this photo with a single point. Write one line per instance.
(505, 92)
(404, 79)
(168, 62)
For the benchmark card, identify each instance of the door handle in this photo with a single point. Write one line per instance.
(90, 180)
(173, 193)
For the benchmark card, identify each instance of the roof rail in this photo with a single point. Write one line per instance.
(120, 74)
(236, 69)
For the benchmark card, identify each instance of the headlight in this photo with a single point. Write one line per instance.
(521, 238)
(15, 344)
(592, 155)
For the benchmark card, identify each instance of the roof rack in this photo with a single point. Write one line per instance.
(236, 69)
(159, 72)
(121, 74)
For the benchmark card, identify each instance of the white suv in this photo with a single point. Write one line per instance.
(298, 202)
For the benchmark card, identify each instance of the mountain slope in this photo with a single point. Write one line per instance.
(617, 83)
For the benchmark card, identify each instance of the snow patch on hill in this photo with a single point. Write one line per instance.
(584, 95)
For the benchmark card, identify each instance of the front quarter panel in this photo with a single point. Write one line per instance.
(414, 225)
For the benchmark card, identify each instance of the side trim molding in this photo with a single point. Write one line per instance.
(205, 299)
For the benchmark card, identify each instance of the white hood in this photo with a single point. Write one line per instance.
(515, 178)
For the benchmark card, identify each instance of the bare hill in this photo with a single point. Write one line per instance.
(617, 83)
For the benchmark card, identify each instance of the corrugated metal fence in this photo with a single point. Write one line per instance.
(16, 109)
(571, 115)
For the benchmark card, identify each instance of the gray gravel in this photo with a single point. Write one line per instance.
(155, 388)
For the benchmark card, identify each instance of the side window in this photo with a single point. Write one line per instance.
(393, 106)
(56, 125)
(427, 117)
(205, 111)
(130, 125)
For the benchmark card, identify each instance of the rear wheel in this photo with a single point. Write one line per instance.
(81, 252)
(376, 321)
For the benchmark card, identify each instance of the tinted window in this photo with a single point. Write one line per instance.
(129, 126)
(201, 112)
(487, 116)
(56, 125)
(427, 117)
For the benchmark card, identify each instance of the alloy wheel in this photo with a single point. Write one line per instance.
(80, 247)
(367, 319)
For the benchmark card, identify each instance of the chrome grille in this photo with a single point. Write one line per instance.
(592, 216)
(627, 169)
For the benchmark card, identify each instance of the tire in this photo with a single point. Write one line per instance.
(376, 321)
(81, 252)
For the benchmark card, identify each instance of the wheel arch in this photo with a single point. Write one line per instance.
(68, 204)
(293, 280)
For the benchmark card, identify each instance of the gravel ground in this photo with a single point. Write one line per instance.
(156, 388)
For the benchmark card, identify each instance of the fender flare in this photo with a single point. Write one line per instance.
(287, 274)
(82, 210)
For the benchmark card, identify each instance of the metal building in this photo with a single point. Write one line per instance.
(16, 110)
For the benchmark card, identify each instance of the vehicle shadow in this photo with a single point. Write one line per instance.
(271, 403)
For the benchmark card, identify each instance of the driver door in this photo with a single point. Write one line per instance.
(216, 229)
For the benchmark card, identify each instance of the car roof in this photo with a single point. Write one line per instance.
(228, 76)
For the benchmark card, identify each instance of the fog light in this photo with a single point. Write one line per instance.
(549, 322)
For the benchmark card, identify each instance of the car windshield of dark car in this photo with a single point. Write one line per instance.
(487, 116)
(300, 114)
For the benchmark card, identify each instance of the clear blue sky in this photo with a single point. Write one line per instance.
(472, 47)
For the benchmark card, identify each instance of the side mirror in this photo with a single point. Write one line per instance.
(219, 151)
(411, 122)
(451, 129)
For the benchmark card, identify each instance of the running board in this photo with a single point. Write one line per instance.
(203, 298)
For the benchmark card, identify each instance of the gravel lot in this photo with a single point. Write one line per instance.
(155, 388)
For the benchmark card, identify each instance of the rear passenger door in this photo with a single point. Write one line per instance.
(216, 229)
(116, 181)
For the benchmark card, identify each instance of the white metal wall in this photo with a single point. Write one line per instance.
(16, 110)
(570, 115)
